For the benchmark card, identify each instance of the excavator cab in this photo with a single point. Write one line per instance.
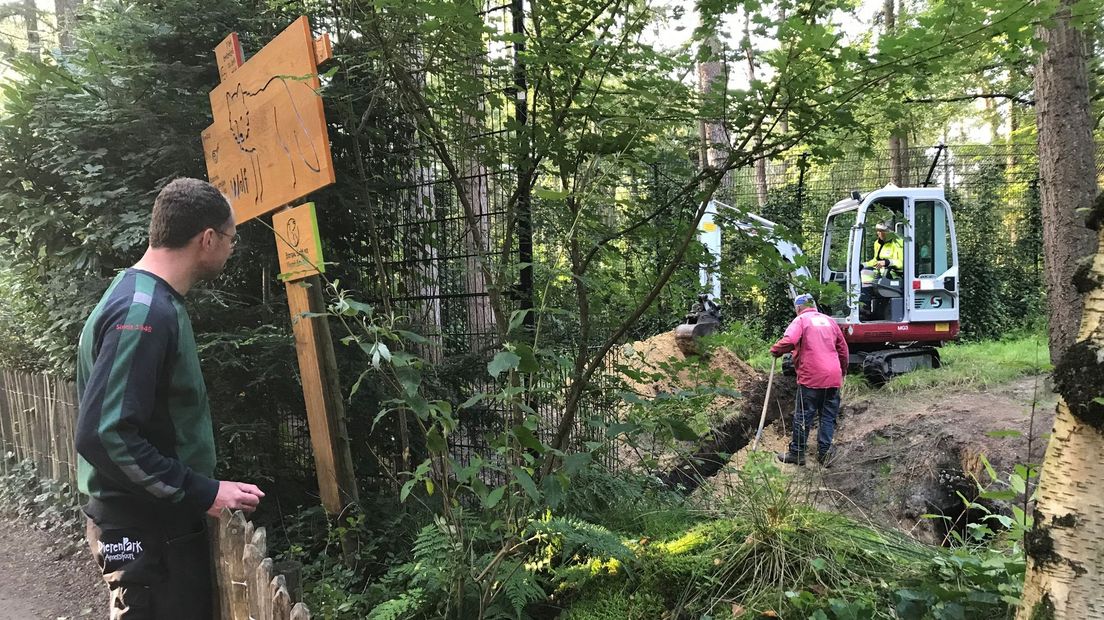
(894, 316)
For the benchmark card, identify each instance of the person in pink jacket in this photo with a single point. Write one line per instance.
(820, 358)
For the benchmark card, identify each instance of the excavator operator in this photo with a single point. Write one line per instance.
(889, 252)
(888, 261)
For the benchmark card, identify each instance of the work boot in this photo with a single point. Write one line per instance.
(826, 459)
(791, 458)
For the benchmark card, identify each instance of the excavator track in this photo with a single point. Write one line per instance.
(881, 366)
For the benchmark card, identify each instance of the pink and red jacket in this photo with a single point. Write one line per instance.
(819, 350)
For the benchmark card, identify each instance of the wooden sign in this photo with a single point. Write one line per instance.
(297, 242)
(268, 145)
(228, 56)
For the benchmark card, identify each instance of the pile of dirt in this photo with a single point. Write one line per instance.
(902, 458)
(738, 417)
(663, 348)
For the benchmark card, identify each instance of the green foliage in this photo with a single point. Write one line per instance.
(974, 365)
(27, 495)
(87, 137)
(617, 605)
(764, 550)
(598, 496)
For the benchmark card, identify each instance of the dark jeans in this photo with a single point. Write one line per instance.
(815, 404)
(157, 568)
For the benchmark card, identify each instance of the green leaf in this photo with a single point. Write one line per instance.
(573, 463)
(527, 439)
(681, 431)
(517, 317)
(411, 336)
(410, 379)
(475, 398)
(494, 497)
(406, 488)
(1004, 496)
(622, 427)
(436, 442)
(526, 481)
(553, 487)
(989, 469)
(528, 363)
(419, 405)
(504, 361)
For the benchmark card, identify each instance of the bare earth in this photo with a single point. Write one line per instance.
(45, 576)
(900, 457)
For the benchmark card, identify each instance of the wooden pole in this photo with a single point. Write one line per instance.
(325, 410)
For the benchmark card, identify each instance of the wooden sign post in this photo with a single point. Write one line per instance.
(268, 147)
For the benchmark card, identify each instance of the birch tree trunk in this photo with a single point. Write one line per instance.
(475, 180)
(1067, 170)
(1065, 570)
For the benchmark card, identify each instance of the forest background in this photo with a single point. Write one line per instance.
(518, 185)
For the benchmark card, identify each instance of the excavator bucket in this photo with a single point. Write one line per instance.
(704, 319)
(687, 335)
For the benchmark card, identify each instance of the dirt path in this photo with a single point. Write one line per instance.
(44, 575)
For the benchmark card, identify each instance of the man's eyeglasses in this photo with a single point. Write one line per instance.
(234, 239)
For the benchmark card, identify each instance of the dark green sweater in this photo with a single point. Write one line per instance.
(144, 429)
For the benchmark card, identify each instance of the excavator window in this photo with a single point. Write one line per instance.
(838, 236)
(932, 236)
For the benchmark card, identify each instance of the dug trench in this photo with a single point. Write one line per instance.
(909, 460)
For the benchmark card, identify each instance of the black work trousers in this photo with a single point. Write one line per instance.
(155, 561)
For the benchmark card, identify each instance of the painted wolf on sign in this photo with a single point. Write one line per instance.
(295, 141)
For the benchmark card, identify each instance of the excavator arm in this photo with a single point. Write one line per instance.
(704, 317)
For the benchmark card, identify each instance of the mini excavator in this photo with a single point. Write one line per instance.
(894, 320)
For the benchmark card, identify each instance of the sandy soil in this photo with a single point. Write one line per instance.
(900, 457)
(47, 575)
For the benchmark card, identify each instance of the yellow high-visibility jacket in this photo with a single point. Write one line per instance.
(893, 250)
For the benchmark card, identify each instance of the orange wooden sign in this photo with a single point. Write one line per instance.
(268, 145)
(298, 242)
(228, 55)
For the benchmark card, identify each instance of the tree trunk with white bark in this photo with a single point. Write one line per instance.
(1065, 550)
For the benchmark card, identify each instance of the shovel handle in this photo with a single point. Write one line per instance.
(766, 400)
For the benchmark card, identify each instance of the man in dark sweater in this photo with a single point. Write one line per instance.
(144, 437)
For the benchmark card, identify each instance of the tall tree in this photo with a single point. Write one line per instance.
(66, 12)
(1065, 570)
(898, 135)
(761, 163)
(1067, 169)
(30, 19)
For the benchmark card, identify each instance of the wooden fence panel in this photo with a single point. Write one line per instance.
(38, 423)
(247, 586)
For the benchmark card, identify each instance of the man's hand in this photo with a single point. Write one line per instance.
(235, 496)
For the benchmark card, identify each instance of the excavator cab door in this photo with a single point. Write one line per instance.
(933, 291)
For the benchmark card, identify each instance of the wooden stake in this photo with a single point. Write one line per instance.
(325, 410)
